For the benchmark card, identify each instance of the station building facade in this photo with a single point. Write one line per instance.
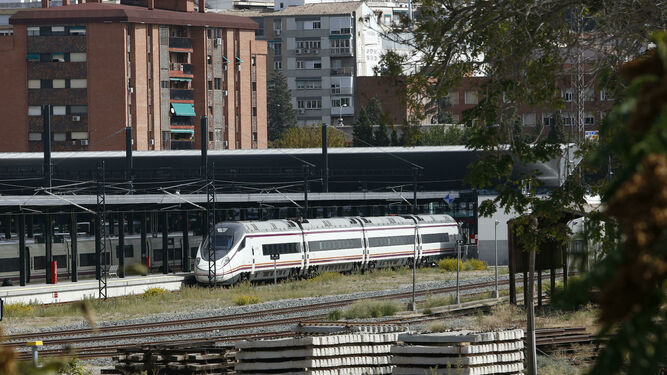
(155, 65)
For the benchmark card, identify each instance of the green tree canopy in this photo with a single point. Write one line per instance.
(281, 115)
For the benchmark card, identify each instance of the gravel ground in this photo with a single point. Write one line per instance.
(219, 332)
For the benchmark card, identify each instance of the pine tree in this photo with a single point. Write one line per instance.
(362, 130)
(281, 115)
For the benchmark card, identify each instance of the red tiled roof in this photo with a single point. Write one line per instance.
(105, 12)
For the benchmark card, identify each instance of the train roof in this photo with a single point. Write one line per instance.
(336, 222)
(269, 226)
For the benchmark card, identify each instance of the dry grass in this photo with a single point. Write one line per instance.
(371, 309)
(507, 316)
(191, 298)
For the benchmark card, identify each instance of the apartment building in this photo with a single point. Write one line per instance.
(154, 65)
(321, 48)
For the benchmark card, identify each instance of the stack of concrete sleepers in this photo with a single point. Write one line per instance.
(320, 355)
(459, 353)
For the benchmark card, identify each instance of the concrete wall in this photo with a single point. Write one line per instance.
(486, 243)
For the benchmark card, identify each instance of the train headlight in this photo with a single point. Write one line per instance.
(225, 260)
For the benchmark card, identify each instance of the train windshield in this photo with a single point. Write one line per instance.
(225, 239)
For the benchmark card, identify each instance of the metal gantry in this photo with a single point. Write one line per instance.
(101, 228)
(210, 222)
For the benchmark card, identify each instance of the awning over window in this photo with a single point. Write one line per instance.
(183, 109)
(182, 79)
(183, 131)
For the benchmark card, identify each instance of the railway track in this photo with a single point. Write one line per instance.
(215, 328)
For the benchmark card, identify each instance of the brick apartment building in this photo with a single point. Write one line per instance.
(597, 103)
(154, 65)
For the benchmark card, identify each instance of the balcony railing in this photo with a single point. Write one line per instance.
(182, 145)
(181, 94)
(347, 71)
(182, 121)
(185, 43)
(341, 51)
(180, 67)
(307, 51)
(343, 31)
(341, 91)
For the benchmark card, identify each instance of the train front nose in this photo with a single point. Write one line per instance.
(203, 267)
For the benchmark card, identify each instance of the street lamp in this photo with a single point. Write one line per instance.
(495, 239)
(340, 114)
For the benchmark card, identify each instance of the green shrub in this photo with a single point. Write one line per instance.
(474, 265)
(449, 264)
(335, 315)
(136, 269)
(154, 292)
(427, 311)
(19, 310)
(370, 309)
(243, 299)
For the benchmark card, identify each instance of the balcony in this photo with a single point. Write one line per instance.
(185, 69)
(180, 43)
(343, 31)
(341, 51)
(182, 145)
(306, 51)
(181, 94)
(346, 71)
(182, 121)
(341, 91)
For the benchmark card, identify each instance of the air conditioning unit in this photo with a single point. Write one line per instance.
(130, 89)
(76, 118)
(84, 142)
(276, 32)
(218, 42)
(316, 51)
(224, 92)
(298, 51)
(225, 143)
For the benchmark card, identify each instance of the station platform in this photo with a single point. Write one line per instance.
(68, 291)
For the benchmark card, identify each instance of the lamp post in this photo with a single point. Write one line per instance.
(459, 243)
(340, 114)
(495, 240)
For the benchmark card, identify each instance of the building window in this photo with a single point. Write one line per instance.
(217, 83)
(78, 109)
(547, 119)
(34, 136)
(567, 118)
(589, 119)
(210, 85)
(309, 103)
(276, 48)
(254, 111)
(471, 97)
(58, 57)
(340, 102)
(33, 31)
(59, 110)
(309, 84)
(77, 30)
(77, 57)
(567, 95)
(33, 57)
(604, 95)
(59, 137)
(78, 83)
(57, 30)
(253, 60)
(308, 44)
(34, 110)
(218, 135)
(589, 94)
(164, 84)
(254, 86)
(58, 83)
(387, 19)
(453, 97)
(34, 84)
(209, 59)
(78, 135)
(335, 87)
(529, 119)
(277, 65)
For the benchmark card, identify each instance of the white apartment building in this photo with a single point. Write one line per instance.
(321, 48)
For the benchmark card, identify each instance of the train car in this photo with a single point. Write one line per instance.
(252, 250)
(36, 266)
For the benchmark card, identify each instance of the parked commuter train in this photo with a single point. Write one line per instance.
(243, 250)
(62, 253)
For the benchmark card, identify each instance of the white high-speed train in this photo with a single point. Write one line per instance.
(243, 249)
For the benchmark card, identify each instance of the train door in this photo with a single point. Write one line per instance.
(364, 244)
(253, 248)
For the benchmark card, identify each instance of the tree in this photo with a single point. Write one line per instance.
(374, 110)
(380, 137)
(308, 137)
(523, 48)
(281, 114)
(441, 135)
(557, 133)
(362, 130)
(394, 137)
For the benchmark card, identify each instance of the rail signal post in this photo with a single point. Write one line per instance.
(274, 258)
